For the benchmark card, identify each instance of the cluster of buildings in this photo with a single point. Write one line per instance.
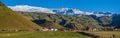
(55, 29)
(101, 29)
(75, 30)
(47, 29)
(68, 30)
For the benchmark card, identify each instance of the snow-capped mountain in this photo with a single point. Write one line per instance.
(67, 11)
(77, 12)
(30, 9)
(63, 11)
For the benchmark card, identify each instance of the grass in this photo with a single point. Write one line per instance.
(12, 21)
(43, 35)
(106, 34)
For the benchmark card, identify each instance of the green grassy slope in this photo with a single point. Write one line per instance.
(11, 21)
(45, 35)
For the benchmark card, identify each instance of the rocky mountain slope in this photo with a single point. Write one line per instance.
(60, 21)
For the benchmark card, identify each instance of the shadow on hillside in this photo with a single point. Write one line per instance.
(116, 21)
(43, 22)
(63, 22)
(39, 21)
(46, 23)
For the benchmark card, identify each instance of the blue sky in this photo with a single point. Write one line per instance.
(83, 5)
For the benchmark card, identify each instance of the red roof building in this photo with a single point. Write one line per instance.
(0, 4)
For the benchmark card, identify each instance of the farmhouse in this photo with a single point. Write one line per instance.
(90, 29)
(53, 29)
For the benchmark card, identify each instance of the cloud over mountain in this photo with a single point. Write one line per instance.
(30, 8)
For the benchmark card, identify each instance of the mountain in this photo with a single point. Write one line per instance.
(11, 21)
(77, 12)
(62, 11)
(68, 21)
(101, 18)
(60, 21)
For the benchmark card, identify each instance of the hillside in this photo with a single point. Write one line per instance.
(10, 21)
(113, 20)
(103, 20)
(69, 21)
(72, 22)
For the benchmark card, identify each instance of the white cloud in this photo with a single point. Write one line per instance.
(30, 9)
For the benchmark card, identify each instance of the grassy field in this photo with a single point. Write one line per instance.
(106, 34)
(43, 35)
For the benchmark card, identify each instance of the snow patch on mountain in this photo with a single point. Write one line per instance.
(67, 11)
(30, 9)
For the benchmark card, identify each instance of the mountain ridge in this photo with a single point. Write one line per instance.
(62, 11)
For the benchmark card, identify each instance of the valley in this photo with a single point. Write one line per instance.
(36, 22)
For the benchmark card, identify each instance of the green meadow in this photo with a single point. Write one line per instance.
(43, 35)
(106, 34)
